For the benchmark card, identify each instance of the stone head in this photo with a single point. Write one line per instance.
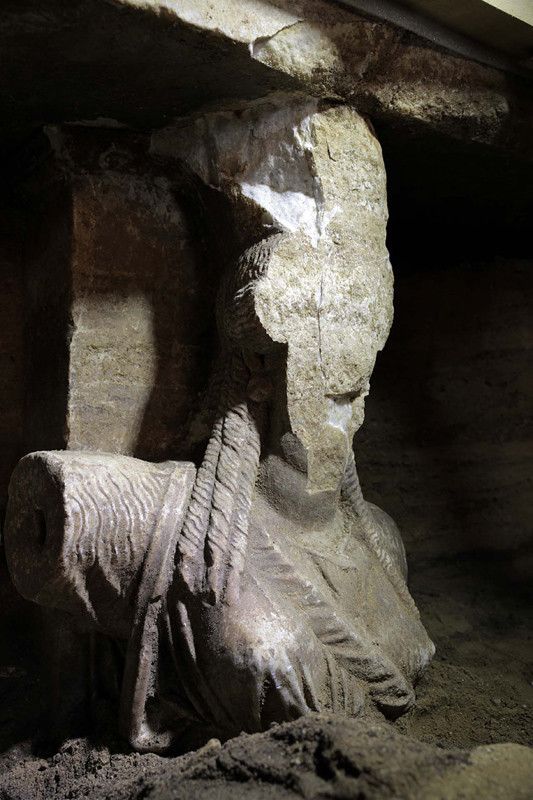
(309, 183)
(325, 292)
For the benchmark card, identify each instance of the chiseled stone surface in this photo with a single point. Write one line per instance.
(139, 342)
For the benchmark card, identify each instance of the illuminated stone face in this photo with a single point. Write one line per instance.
(327, 292)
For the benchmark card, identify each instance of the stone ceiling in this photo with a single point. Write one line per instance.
(141, 64)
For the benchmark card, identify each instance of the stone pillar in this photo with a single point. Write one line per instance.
(118, 299)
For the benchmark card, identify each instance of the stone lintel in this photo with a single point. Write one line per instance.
(65, 68)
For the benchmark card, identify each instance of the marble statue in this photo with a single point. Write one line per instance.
(260, 586)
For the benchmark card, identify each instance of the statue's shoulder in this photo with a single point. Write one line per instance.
(372, 526)
(390, 538)
(105, 472)
(72, 513)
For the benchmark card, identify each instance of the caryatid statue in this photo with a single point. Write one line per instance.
(260, 586)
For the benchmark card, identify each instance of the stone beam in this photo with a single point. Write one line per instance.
(61, 67)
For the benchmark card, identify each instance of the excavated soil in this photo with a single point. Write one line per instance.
(478, 691)
(479, 688)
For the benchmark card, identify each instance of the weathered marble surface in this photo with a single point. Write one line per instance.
(327, 293)
(60, 67)
(122, 314)
(81, 544)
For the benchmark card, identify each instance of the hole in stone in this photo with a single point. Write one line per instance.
(40, 526)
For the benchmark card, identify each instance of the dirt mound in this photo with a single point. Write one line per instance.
(316, 757)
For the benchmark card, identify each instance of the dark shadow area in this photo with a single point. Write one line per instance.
(447, 444)
(99, 60)
(452, 203)
(21, 695)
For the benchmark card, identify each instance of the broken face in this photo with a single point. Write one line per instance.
(331, 316)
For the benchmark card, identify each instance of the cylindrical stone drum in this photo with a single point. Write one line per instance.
(78, 527)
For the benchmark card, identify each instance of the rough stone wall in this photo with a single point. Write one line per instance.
(195, 52)
(447, 446)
